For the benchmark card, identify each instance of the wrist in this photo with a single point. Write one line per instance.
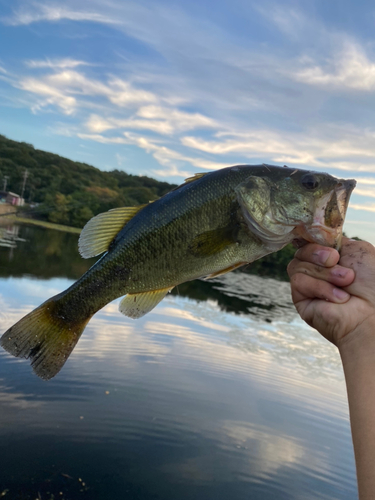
(359, 344)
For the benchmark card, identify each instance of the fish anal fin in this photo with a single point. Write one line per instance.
(100, 231)
(136, 305)
(225, 271)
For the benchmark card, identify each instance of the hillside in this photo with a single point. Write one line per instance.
(69, 192)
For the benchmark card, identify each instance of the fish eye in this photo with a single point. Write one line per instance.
(309, 181)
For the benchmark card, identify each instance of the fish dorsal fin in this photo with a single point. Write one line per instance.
(136, 305)
(100, 231)
(225, 271)
(195, 177)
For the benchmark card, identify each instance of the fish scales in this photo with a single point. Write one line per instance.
(145, 252)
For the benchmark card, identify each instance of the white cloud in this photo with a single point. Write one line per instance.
(366, 208)
(349, 68)
(68, 89)
(103, 140)
(56, 63)
(369, 192)
(38, 12)
(290, 21)
(158, 119)
(175, 163)
(50, 95)
(181, 119)
(122, 93)
(323, 147)
(367, 180)
(171, 159)
(97, 124)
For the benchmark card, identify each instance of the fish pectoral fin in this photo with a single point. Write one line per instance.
(212, 242)
(100, 231)
(226, 270)
(136, 305)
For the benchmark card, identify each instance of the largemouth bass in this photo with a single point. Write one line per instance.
(210, 225)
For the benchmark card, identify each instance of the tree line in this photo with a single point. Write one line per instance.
(70, 192)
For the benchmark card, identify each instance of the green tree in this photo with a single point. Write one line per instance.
(60, 213)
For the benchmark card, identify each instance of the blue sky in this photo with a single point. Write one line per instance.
(168, 89)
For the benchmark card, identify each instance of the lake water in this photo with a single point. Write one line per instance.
(221, 392)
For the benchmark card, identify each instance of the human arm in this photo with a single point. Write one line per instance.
(349, 323)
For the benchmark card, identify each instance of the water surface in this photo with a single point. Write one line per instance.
(220, 392)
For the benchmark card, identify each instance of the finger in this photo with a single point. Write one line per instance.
(337, 275)
(306, 287)
(317, 254)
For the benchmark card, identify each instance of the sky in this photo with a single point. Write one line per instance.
(170, 88)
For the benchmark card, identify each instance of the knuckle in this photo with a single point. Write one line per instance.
(318, 269)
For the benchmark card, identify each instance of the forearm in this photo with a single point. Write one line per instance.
(358, 357)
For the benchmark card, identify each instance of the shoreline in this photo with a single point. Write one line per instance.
(13, 219)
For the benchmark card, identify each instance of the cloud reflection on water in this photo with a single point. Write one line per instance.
(217, 398)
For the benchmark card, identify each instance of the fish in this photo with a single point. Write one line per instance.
(211, 224)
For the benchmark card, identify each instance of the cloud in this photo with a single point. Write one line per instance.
(51, 96)
(56, 63)
(323, 147)
(97, 124)
(159, 119)
(171, 159)
(181, 120)
(69, 90)
(366, 208)
(102, 139)
(290, 21)
(369, 192)
(38, 12)
(175, 164)
(335, 61)
(128, 108)
(367, 181)
(349, 68)
(122, 93)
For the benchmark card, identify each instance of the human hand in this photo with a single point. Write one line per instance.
(333, 294)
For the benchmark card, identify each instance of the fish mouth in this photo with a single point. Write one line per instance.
(329, 217)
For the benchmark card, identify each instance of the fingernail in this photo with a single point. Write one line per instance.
(323, 255)
(340, 273)
(340, 294)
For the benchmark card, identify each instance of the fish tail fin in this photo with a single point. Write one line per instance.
(45, 337)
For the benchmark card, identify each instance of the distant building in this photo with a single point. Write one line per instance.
(11, 198)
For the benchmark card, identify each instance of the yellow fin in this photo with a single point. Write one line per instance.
(136, 305)
(195, 177)
(226, 270)
(100, 231)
